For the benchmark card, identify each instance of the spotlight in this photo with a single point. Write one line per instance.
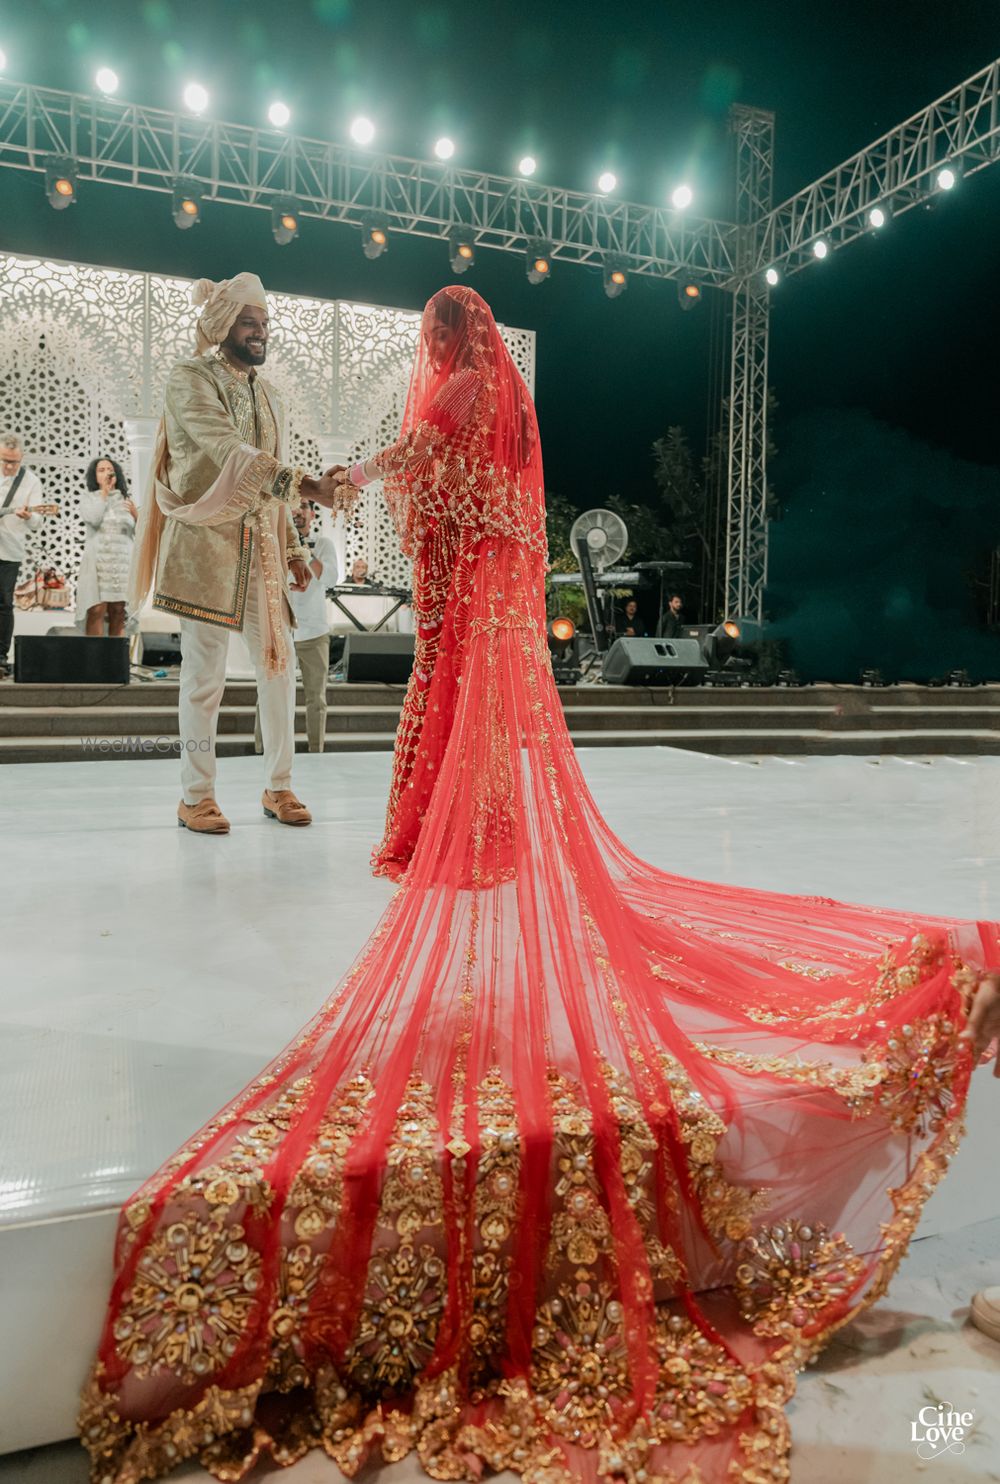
(876, 217)
(527, 165)
(681, 197)
(947, 178)
(106, 81)
(561, 631)
(195, 97)
(375, 237)
(539, 262)
(463, 254)
(279, 114)
(186, 204)
(444, 148)
(561, 637)
(615, 277)
(284, 222)
(607, 182)
(362, 131)
(773, 276)
(820, 248)
(721, 644)
(60, 183)
(689, 294)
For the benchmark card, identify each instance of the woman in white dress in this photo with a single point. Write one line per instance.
(110, 518)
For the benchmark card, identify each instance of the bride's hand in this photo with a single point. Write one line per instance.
(983, 1025)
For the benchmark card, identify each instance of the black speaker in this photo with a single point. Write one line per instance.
(43, 659)
(386, 659)
(159, 648)
(653, 662)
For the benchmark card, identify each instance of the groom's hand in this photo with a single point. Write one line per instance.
(326, 490)
(298, 571)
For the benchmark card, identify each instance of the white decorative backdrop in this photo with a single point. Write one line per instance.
(84, 357)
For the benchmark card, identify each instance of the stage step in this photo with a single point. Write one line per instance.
(68, 723)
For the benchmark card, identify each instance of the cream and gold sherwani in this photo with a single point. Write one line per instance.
(230, 574)
(210, 409)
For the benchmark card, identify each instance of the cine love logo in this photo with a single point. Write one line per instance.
(939, 1430)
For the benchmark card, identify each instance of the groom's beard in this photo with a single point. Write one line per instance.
(249, 357)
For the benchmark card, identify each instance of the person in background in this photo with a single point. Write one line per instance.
(630, 625)
(359, 572)
(20, 490)
(102, 582)
(312, 631)
(672, 624)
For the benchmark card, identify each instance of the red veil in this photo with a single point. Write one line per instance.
(582, 1161)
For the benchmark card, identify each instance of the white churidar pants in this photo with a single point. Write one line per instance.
(203, 679)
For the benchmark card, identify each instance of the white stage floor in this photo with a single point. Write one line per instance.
(150, 973)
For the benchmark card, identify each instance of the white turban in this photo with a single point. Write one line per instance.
(223, 302)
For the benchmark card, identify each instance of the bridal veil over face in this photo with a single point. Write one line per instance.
(582, 1161)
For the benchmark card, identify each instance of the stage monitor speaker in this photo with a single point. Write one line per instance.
(653, 662)
(384, 659)
(160, 647)
(43, 659)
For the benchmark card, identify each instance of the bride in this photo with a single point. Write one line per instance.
(582, 1162)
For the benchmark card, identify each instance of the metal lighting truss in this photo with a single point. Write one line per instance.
(897, 172)
(149, 149)
(746, 518)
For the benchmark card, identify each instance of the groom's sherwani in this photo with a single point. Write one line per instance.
(228, 572)
(203, 571)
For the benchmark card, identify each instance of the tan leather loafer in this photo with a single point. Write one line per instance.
(285, 807)
(205, 818)
(985, 1313)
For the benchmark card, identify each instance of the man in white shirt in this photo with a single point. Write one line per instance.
(312, 631)
(20, 488)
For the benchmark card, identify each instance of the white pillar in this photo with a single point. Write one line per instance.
(140, 433)
(335, 448)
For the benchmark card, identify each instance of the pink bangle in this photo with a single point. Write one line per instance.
(357, 475)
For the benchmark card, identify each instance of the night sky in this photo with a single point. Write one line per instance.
(902, 328)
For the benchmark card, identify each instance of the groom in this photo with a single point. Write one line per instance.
(218, 544)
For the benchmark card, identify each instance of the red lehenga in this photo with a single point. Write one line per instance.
(582, 1161)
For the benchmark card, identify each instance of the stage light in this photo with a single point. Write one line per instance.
(615, 278)
(773, 276)
(362, 131)
(375, 237)
(539, 262)
(444, 148)
(947, 179)
(527, 165)
(820, 248)
(721, 644)
(195, 97)
(186, 204)
(60, 183)
(463, 253)
(689, 294)
(279, 114)
(106, 81)
(607, 182)
(560, 635)
(3, 61)
(682, 197)
(876, 217)
(284, 222)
